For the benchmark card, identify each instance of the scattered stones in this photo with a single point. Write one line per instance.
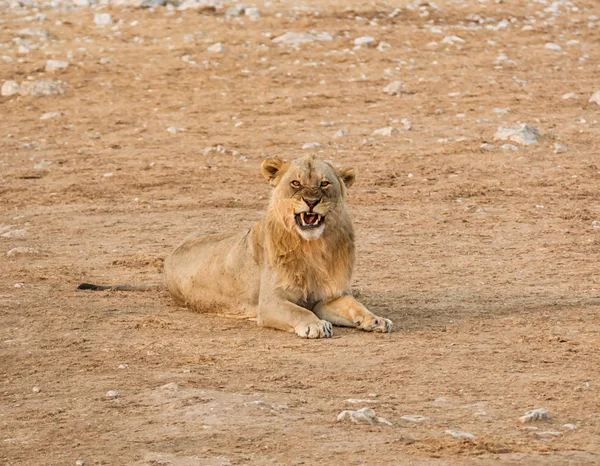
(393, 88)
(595, 98)
(22, 251)
(460, 435)
(525, 134)
(10, 88)
(540, 414)
(388, 131)
(362, 416)
(560, 148)
(42, 88)
(49, 115)
(103, 19)
(216, 48)
(415, 418)
(553, 46)
(112, 394)
(365, 40)
(52, 66)
(312, 145)
(299, 38)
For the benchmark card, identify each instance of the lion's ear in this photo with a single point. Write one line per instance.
(347, 175)
(271, 168)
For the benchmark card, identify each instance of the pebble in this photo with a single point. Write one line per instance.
(299, 38)
(112, 394)
(393, 88)
(509, 147)
(570, 426)
(252, 13)
(79, 463)
(52, 66)
(216, 48)
(123, 366)
(10, 88)
(103, 19)
(19, 285)
(525, 134)
(235, 10)
(312, 145)
(42, 88)
(560, 148)
(415, 418)
(365, 40)
(388, 131)
(362, 416)
(453, 40)
(22, 251)
(486, 146)
(383, 46)
(175, 130)
(340, 133)
(357, 401)
(460, 435)
(406, 124)
(49, 115)
(594, 99)
(540, 414)
(553, 46)
(36, 389)
(569, 95)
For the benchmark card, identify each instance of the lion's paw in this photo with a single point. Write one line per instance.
(320, 329)
(375, 324)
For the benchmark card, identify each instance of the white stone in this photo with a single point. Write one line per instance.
(509, 147)
(36, 389)
(453, 40)
(406, 124)
(460, 435)
(486, 146)
(112, 394)
(570, 95)
(540, 414)
(394, 88)
(553, 46)
(42, 88)
(200, 5)
(570, 426)
(252, 13)
(388, 131)
(10, 88)
(299, 38)
(365, 40)
(358, 401)
(415, 418)
(560, 148)
(595, 98)
(525, 134)
(383, 46)
(52, 66)
(48, 115)
(79, 463)
(235, 10)
(103, 19)
(362, 416)
(312, 145)
(216, 48)
(22, 251)
(175, 130)
(14, 234)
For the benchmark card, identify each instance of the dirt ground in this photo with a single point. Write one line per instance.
(486, 259)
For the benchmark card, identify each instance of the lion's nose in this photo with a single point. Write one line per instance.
(311, 203)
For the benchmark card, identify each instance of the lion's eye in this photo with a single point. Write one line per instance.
(295, 184)
(325, 183)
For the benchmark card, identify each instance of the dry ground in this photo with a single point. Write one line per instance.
(486, 261)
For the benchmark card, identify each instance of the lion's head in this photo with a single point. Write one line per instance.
(309, 194)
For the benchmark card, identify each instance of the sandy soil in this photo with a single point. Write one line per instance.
(487, 261)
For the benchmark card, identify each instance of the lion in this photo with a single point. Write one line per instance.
(292, 270)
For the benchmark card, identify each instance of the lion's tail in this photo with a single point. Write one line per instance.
(89, 286)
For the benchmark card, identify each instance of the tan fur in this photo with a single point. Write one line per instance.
(290, 276)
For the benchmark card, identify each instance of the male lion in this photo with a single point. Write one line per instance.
(292, 269)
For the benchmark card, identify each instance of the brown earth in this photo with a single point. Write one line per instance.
(487, 261)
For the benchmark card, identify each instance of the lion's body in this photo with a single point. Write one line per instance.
(292, 270)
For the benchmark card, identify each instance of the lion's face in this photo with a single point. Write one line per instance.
(309, 194)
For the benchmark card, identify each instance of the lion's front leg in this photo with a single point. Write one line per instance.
(348, 312)
(284, 315)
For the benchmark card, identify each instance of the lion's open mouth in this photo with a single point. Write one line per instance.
(308, 220)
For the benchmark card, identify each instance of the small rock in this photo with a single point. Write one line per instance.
(383, 46)
(10, 88)
(175, 130)
(406, 124)
(570, 426)
(540, 414)
(486, 146)
(460, 435)
(596, 224)
(393, 88)
(172, 387)
(19, 285)
(105, 61)
(509, 147)
(553, 46)
(415, 418)
(49, 115)
(569, 95)
(42, 88)
(340, 133)
(362, 416)
(36, 389)
(312, 145)
(79, 463)
(235, 10)
(52, 66)
(299, 38)
(216, 48)
(525, 134)
(560, 148)
(22, 251)
(388, 131)
(123, 366)
(14, 234)
(453, 40)
(112, 394)
(252, 13)
(594, 99)
(357, 401)
(200, 5)
(34, 32)
(365, 40)
(103, 19)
